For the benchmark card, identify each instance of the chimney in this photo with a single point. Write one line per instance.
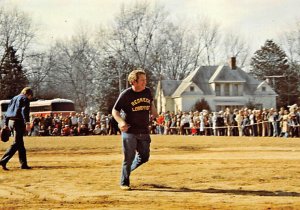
(232, 63)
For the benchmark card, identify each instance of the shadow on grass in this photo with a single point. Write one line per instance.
(163, 188)
(55, 167)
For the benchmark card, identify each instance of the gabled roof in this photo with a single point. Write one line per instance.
(199, 77)
(169, 86)
(205, 75)
(182, 89)
(268, 91)
(184, 84)
(226, 74)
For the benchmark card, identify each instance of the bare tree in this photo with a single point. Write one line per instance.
(173, 57)
(207, 37)
(39, 65)
(290, 42)
(131, 41)
(73, 72)
(235, 46)
(17, 30)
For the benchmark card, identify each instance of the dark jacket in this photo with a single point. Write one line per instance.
(18, 108)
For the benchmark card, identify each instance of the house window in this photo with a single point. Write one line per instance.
(263, 89)
(192, 88)
(218, 90)
(226, 90)
(235, 89)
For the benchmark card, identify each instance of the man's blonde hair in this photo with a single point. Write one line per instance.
(27, 91)
(134, 75)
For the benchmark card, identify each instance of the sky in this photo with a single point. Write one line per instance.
(255, 20)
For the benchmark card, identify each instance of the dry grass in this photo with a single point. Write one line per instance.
(184, 172)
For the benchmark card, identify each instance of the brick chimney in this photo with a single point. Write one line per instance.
(232, 63)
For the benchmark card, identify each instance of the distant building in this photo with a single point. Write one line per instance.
(221, 86)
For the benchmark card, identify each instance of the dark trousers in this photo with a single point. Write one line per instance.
(18, 128)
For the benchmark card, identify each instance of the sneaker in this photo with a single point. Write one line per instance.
(125, 187)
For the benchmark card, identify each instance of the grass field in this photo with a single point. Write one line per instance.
(184, 172)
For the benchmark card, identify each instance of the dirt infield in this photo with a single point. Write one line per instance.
(184, 172)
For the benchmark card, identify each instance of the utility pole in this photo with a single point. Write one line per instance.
(273, 79)
(160, 94)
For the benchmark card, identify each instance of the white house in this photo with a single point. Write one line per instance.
(221, 86)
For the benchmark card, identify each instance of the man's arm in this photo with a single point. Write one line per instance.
(154, 110)
(121, 122)
(25, 114)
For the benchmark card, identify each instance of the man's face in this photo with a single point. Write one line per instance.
(29, 97)
(140, 84)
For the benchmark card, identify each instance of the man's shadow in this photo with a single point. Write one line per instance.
(163, 188)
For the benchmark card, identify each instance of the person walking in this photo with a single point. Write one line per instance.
(136, 104)
(17, 119)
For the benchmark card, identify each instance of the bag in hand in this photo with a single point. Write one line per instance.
(5, 134)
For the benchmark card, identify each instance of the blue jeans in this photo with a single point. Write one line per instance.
(275, 129)
(136, 150)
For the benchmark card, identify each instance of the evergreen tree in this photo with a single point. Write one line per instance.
(270, 62)
(12, 77)
(292, 81)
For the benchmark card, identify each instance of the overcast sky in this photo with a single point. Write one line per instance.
(256, 20)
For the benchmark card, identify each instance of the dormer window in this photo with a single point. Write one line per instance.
(263, 89)
(192, 88)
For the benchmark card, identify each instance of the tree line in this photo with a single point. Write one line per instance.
(91, 67)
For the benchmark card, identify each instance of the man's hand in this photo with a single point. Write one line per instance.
(28, 127)
(121, 123)
(123, 126)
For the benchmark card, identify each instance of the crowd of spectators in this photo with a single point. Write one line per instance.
(236, 122)
(74, 124)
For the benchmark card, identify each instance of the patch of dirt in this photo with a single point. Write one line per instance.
(190, 172)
